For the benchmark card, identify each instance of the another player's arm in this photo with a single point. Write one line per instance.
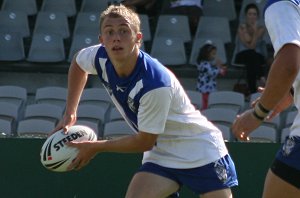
(281, 76)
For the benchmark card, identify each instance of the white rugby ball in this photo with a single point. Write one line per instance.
(56, 155)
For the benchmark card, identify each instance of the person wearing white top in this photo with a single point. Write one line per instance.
(191, 8)
(180, 146)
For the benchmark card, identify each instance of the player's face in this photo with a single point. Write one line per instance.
(119, 38)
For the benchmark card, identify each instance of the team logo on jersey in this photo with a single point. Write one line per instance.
(220, 171)
(119, 88)
(130, 103)
(288, 146)
(134, 94)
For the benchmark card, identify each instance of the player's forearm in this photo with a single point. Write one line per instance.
(127, 144)
(76, 81)
(281, 77)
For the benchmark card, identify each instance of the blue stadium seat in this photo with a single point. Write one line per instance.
(46, 48)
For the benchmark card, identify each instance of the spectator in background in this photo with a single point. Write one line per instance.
(209, 67)
(251, 47)
(281, 91)
(191, 8)
(149, 7)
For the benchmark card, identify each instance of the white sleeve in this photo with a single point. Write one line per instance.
(153, 110)
(86, 57)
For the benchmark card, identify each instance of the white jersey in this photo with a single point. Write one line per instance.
(283, 25)
(152, 100)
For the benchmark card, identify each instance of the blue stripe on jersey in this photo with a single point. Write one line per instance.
(297, 2)
(148, 74)
(270, 2)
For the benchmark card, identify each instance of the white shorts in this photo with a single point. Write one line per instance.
(282, 20)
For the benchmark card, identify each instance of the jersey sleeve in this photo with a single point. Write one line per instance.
(86, 59)
(153, 110)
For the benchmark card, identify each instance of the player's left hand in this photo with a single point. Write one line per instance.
(85, 154)
(244, 124)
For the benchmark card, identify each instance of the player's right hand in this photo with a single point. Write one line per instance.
(65, 123)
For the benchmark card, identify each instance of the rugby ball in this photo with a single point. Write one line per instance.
(56, 155)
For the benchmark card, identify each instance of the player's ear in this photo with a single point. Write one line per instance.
(139, 37)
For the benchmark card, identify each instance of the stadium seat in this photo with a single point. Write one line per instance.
(116, 129)
(46, 48)
(114, 114)
(51, 95)
(219, 115)
(35, 128)
(14, 22)
(10, 113)
(81, 41)
(263, 134)
(5, 127)
(226, 132)
(96, 96)
(220, 8)
(14, 94)
(93, 126)
(93, 113)
(254, 96)
(52, 23)
(66, 6)
(145, 27)
(275, 122)
(87, 23)
(290, 116)
(27, 6)
(44, 112)
(195, 97)
(199, 42)
(284, 133)
(170, 51)
(173, 26)
(11, 47)
(216, 27)
(227, 99)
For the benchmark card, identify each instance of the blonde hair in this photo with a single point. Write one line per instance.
(115, 11)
